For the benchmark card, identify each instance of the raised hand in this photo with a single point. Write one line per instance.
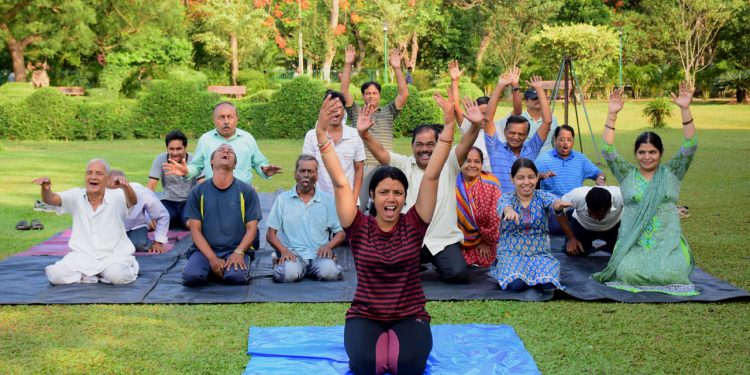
(119, 182)
(472, 112)
(515, 76)
(364, 118)
(177, 168)
(615, 101)
(44, 182)
(394, 58)
(684, 97)
(454, 71)
(270, 170)
(504, 80)
(328, 111)
(350, 54)
(535, 82)
(445, 104)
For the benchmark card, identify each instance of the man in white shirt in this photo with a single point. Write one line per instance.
(596, 216)
(99, 248)
(349, 148)
(441, 242)
(140, 217)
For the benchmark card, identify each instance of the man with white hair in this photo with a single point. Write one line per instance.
(99, 248)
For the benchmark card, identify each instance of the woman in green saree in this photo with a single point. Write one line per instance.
(650, 254)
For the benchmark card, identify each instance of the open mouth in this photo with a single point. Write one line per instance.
(390, 211)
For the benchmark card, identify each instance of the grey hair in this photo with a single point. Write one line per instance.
(106, 165)
(117, 172)
(216, 107)
(217, 149)
(305, 157)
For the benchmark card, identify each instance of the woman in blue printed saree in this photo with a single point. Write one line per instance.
(650, 254)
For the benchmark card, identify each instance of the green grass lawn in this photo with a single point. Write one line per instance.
(563, 336)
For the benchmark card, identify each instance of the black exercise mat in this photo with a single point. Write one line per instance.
(576, 271)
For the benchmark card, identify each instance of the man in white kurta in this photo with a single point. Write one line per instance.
(99, 248)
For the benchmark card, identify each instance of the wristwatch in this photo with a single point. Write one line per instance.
(238, 251)
(516, 89)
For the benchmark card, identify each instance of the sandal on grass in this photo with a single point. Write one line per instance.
(23, 225)
(36, 225)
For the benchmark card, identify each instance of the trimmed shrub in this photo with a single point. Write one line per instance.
(656, 111)
(253, 117)
(9, 113)
(292, 110)
(465, 88)
(417, 110)
(422, 79)
(48, 115)
(174, 104)
(253, 80)
(262, 96)
(112, 76)
(105, 120)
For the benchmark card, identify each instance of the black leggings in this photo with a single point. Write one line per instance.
(400, 347)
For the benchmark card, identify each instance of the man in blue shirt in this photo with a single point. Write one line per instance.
(562, 169)
(503, 154)
(304, 229)
(248, 154)
(224, 214)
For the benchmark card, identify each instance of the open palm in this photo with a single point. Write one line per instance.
(684, 97)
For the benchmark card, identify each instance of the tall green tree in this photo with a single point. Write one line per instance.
(46, 29)
(231, 29)
(592, 48)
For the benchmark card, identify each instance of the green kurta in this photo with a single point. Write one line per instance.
(650, 254)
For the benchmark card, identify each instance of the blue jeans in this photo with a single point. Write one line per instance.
(319, 268)
(139, 238)
(177, 214)
(197, 271)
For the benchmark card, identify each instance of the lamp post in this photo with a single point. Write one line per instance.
(385, 52)
(620, 58)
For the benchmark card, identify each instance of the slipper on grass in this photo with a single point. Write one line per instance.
(36, 225)
(23, 225)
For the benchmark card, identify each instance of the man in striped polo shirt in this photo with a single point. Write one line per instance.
(383, 116)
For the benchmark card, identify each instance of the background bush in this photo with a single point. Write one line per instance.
(254, 81)
(657, 111)
(417, 110)
(180, 102)
(291, 112)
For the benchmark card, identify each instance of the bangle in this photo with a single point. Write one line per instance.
(321, 145)
(446, 142)
(326, 148)
(328, 153)
(687, 122)
(239, 252)
(516, 89)
(609, 127)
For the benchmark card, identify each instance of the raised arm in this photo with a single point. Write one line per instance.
(427, 196)
(363, 127)
(350, 54)
(474, 115)
(47, 195)
(121, 182)
(515, 76)
(455, 74)
(395, 58)
(683, 101)
(536, 84)
(346, 206)
(489, 115)
(615, 106)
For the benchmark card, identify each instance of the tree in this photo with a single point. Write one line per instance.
(595, 12)
(696, 24)
(49, 28)
(592, 48)
(737, 80)
(231, 29)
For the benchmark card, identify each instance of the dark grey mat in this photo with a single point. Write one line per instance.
(575, 275)
(22, 281)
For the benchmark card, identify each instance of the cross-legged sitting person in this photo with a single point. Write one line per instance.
(99, 248)
(224, 214)
(139, 219)
(300, 226)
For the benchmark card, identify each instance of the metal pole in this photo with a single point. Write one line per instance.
(385, 52)
(566, 82)
(620, 58)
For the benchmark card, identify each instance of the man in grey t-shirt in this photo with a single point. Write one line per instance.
(176, 188)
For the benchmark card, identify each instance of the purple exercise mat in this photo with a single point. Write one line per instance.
(57, 245)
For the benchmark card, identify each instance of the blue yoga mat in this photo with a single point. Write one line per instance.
(457, 349)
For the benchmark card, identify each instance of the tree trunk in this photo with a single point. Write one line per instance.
(414, 51)
(16, 56)
(741, 95)
(331, 41)
(360, 45)
(486, 39)
(300, 55)
(235, 58)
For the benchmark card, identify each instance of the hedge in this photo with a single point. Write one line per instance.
(417, 110)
